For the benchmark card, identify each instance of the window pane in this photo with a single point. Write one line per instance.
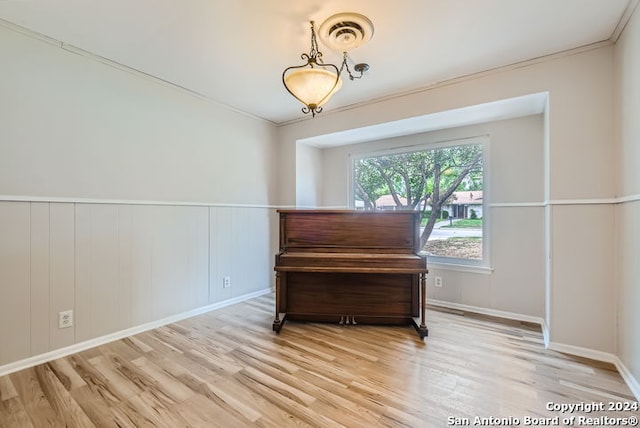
(445, 184)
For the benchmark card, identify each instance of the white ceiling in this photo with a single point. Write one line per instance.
(234, 51)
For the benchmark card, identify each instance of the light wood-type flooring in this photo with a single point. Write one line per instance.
(228, 369)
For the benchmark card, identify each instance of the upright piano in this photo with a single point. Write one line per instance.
(350, 267)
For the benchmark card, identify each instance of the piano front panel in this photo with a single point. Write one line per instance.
(355, 294)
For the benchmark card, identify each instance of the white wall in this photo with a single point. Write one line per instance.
(579, 167)
(309, 186)
(627, 59)
(121, 198)
(74, 127)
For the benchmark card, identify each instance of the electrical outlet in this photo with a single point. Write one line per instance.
(438, 281)
(65, 319)
(226, 282)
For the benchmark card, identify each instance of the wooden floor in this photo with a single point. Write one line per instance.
(228, 369)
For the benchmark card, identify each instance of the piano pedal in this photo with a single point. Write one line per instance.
(347, 320)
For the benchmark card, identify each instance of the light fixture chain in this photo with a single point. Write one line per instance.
(345, 66)
(315, 56)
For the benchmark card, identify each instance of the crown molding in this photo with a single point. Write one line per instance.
(624, 20)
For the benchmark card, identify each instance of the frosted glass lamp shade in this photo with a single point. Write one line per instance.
(312, 86)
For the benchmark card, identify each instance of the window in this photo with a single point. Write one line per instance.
(444, 181)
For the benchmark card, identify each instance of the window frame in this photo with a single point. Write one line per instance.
(472, 265)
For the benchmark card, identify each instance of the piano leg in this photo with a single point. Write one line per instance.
(422, 327)
(277, 322)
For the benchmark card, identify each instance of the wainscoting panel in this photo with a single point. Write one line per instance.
(14, 283)
(40, 310)
(98, 232)
(120, 265)
(61, 272)
(222, 244)
(170, 253)
(136, 264)
(241, 249)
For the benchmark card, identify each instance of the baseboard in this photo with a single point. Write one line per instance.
(631, 381)
(92, 343)
(487, 311)
(579, 351)
(607, 357)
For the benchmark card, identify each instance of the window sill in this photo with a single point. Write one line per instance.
(485, 270)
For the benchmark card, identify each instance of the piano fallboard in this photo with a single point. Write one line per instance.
(349, 262)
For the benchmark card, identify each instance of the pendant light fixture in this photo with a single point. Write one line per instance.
(314, 82)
